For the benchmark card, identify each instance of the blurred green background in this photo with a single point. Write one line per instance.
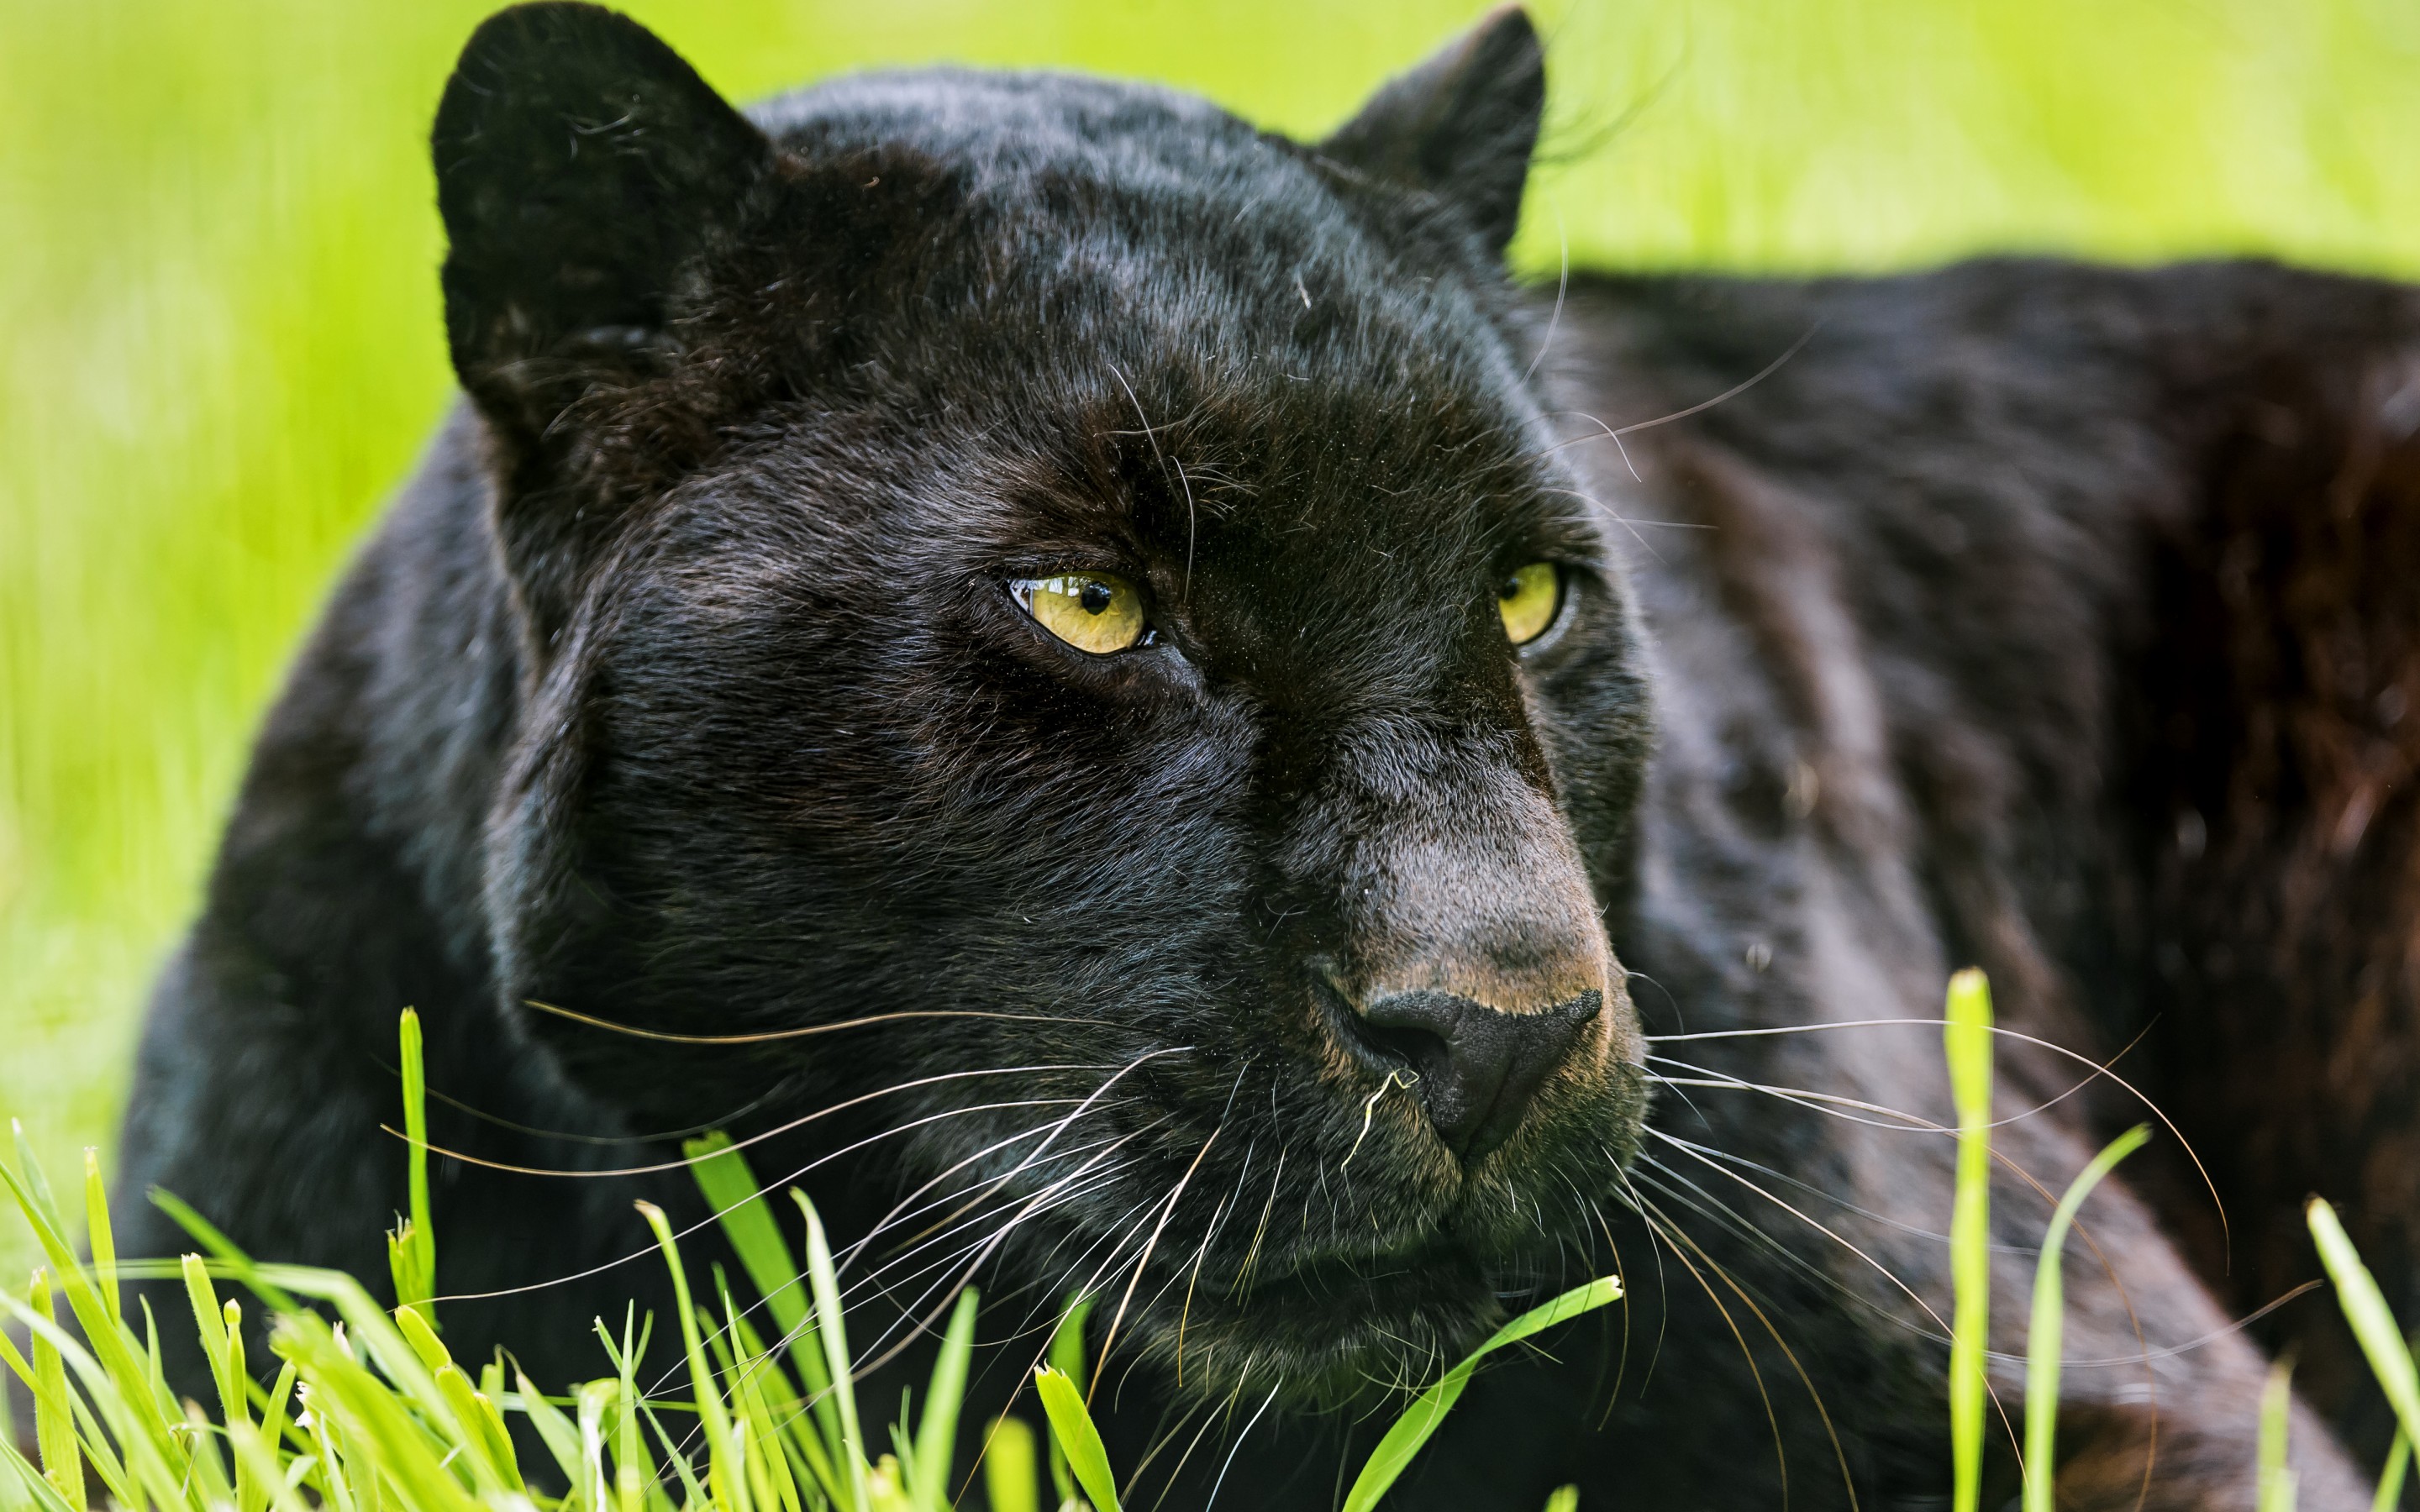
(217, 254)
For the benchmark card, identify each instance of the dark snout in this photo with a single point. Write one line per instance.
(1478, 1067)
(1477, 970)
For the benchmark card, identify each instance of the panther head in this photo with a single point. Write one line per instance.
(1062, 616)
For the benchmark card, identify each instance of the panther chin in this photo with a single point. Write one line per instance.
(1335, 1329)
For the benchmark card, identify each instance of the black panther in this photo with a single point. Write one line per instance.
(1107, 687)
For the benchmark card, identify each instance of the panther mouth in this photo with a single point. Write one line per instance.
(1328, 1331)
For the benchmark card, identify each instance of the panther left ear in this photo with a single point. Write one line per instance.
(581, 168)
(1460, 126)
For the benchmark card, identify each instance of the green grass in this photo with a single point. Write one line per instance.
(368, 1411)
(224, 347)
(384, 1418)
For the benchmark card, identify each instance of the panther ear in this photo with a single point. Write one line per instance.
(1460, 126)
(580, 164)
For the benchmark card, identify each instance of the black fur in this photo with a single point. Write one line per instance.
(683, 690)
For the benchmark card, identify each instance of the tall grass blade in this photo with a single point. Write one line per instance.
(1010, 1475)
(723, 1177)
(2365, 1308)
(74, 1411)
(2043, 1339)
(55, 1430)
(937, 1436)
(99, 1239)
(130, 1371)
(565, 1441)
(2277, 1487)
(2390, 1483)
(1068, 1357)
(832, 1326)
(726, 1480)
(1966, 1039)
(752, 1370)
(412, 1249)
(1088, 1460)
(1394, 1452)
(1563, 1498)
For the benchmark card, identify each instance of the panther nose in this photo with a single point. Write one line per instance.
(1478, 1066)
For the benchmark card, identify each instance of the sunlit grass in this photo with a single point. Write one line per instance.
(367, 1411)
(224, 342)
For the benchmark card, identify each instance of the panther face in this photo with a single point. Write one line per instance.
(1062, 613)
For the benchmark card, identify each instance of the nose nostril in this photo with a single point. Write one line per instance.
(1478, 1067)
(1420, 1050)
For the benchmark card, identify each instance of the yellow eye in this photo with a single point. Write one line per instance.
(1093, 612)
(1528, 601)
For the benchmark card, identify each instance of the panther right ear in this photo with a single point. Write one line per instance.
(581, 164)
(1460, 126)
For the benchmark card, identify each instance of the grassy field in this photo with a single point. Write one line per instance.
(223, 346)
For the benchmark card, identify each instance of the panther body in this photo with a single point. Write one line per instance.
(1274, 933)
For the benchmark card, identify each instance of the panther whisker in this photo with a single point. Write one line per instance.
(979, 1229)
(809, 1030)
(1662, 1283)
(1879, 1269)
(1252, 1256)
(1615, 434)
(2100, 1069)
(873, 1282)
(761, 1303)
(1210, 1416)
(1231, 1452)
(1074, 1188)
(1056, 1193)
(1175, 1195)
(1911, 1231)
(1839, 1452)
(1665, 1229)
(711, 1218)
(1813, 1101)
(923, 1325)
(1562, 286)
(497, 1120)
(1193, 1276)
(1080, 1109)
(792, 1126)
(1622, 1271)
(980, 1189)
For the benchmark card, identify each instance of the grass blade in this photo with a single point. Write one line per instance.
(562, 1438)
(55, 1432)
(1067, 1358)
(1088, 1460)
(2043, 1339)
(1563, 1498)
(2365, 1308)
(831, 1324)
(1394, 1452)
(99, 1238)
(727, 1480)
(2390, 1483)
(1010, 1475)
(937, 1436)
(723, 1175)
(2276, 1477)
(1966, 1039)
(412, 1249)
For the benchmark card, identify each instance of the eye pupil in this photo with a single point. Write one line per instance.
(1096, 598)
